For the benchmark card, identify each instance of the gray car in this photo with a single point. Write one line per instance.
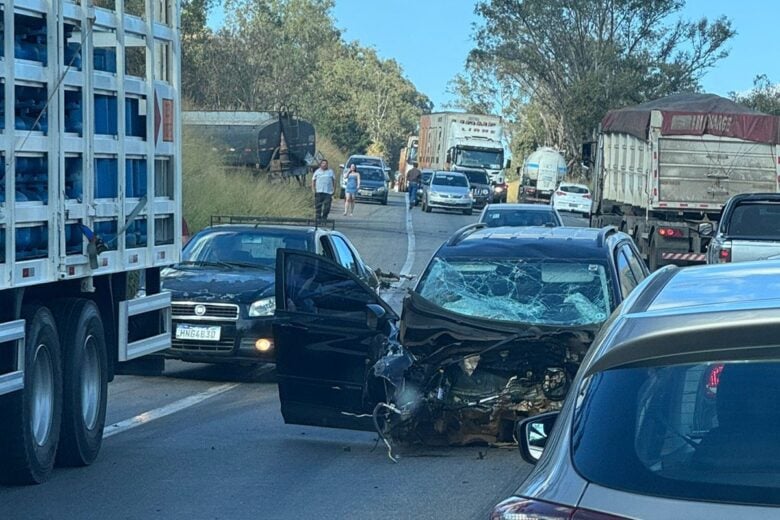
(674, 412)
(448, 190)
(748, 229)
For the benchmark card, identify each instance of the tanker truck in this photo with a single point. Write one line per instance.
(541, 173)
(665, 167)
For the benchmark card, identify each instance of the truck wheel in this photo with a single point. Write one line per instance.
(30, 428)
(85, 387)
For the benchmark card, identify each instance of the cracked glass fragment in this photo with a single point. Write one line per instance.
(536, 292)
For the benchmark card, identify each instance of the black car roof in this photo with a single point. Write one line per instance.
(531, 242)
(699, 314)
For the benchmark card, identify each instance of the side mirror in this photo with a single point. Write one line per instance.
(374, 315)
(706, 229)
(508, 163)
(449, 156)
(532, 434)
(341, 166)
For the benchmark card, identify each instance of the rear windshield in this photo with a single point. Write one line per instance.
(575, 189)
(519, 218)
(755, 221)
(551, 293)
(443, 179)
(477, 177)
(705, 432)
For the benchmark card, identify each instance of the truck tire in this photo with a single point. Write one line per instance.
(85, 386)
(30, 425)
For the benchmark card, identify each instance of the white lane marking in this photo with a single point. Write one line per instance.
(157, 413)
(406, 270)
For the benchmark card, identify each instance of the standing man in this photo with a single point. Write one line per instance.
(413, 181)
(323, 183)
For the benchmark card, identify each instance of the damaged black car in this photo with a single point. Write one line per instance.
(493, 332)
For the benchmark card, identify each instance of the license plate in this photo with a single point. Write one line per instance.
(195, 332)
(364, 192)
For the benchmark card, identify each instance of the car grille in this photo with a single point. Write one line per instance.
(212, 311)
(224, 345)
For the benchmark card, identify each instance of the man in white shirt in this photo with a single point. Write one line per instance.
(323, 183)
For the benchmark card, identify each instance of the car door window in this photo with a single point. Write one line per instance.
(637, 266)
(327, 249)
(314, 285)
(627, 280)
(344, 254)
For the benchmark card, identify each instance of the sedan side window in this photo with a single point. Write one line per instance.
(627, 280)
(327, 249)
(344, 254)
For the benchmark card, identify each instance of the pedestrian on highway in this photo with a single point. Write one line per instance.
(412, 182)
(323, 182)
(350, 189)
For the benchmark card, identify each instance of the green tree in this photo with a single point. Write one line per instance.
(572, 60)
(764, 97)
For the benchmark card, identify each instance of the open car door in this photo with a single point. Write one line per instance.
(329, 330)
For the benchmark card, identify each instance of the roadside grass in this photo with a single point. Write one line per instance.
(209, 189)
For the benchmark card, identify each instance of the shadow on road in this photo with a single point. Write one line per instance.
(260, 374)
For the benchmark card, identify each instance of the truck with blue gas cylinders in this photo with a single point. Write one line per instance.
(465, 142)
(90, 212)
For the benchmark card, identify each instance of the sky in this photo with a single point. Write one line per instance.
(432, 38)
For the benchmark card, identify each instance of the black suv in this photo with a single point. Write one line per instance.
(494, 330)
(223, 297)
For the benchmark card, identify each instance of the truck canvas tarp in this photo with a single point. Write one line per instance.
(695, 114)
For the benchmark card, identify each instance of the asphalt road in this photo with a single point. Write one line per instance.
(208, 442)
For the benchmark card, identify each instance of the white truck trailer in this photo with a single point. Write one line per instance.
(458, 141)
(665, 167)
(90, 200)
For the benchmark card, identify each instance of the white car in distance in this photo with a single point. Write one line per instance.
(572, 197)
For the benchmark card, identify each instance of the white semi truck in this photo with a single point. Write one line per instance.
(90, 212)
(460, 142)
(664, 168)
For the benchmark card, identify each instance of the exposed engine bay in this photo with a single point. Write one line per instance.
(457, 380)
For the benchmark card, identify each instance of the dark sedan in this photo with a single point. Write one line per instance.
(223, 291)
(373, 184)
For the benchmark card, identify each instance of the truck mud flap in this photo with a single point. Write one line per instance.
(683, 257)
(129, 350)
(12, 334)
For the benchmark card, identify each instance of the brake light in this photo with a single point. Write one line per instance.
(517, 508)
(586, 196)
(560, 193)
(713, 380)
(671, 232)
(724, 255)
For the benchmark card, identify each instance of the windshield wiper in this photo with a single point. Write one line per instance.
(249, 265)
(204, 263)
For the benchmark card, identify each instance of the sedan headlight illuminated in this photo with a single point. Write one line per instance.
(485, 191)
(264, 307)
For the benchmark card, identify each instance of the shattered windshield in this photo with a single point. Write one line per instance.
(535, 292)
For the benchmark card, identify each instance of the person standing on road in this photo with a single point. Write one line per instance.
(323, 182)
(412, 182)
(351, 188)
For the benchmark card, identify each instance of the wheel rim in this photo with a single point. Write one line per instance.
(90, 384)
(42, 395)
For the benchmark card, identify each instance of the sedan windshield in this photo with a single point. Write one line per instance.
(443, 179)
(371, 174)
(551, 293)
(520, 218)
(695, 432)
(255, 248)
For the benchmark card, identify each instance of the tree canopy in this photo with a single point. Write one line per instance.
(272, 54)
(764, 97)
(564, 63)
